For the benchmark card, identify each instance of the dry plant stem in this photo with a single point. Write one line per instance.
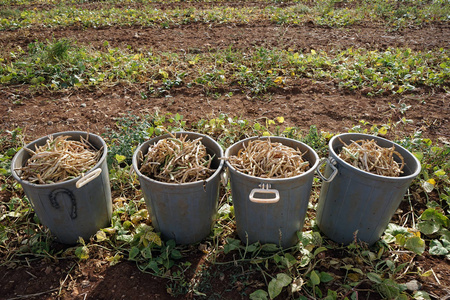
(177, 160)
(368, 156)
(59, 159)
(262, 158)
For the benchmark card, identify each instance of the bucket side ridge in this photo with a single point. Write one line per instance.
(381, 223)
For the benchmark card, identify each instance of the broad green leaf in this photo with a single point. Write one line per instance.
(134, 252)
(389, 289)
(319, 250)
(325, 277)
(252, 248)
(331, 295)
(289, 260)
(421, 295)
(402, 297)
(436, 248)
(428, 227)
(415, 244)
(232, 244)
(128, 238)
(276, 285)
(433, 214)
(270, 248)
(315, 279)
(395, 229)
(357, 270)
(374, 277)
(176, 254)
(153, 265)
(418, 155)
(431, 221)
(259, 295)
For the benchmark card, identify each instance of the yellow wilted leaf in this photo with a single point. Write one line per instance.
(382, 131)
(113, 260)
(120, 158)
(137, 57)
(279, 80)
(164, 74)
(100, 236)
(354, 277)
(266, 133)
(280, 120)
(313, 52)
(269, 71)
(414, 232)
(427, 273)
(432, 181)
(153, 237)
(270, 122)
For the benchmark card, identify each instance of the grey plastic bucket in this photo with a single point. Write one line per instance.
(355, 205)
(75, 208)
(184, 212)
(271, 210)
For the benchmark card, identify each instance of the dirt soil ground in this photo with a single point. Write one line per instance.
(303, 103)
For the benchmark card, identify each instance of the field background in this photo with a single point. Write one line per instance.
(131, 70)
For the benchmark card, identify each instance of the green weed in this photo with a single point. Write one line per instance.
(61, 64)
(395, 14)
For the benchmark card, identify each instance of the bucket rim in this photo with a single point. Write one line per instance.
(65, 182)
(135, 159)
(312, 169)
(365, 173)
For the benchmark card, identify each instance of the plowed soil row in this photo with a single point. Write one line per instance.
(303, 103)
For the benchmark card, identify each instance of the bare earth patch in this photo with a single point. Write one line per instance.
(302, 103)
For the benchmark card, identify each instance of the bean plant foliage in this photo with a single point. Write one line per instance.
(403, 264)
(315, 267)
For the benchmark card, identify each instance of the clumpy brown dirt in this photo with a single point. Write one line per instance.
(302, 103)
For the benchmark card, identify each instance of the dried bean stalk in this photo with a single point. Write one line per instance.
(368, 156)
(262, 158)
(59, 160)
(177, 160)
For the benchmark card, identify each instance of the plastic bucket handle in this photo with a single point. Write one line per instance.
(88, 178)
(332, 163)
(265, 189)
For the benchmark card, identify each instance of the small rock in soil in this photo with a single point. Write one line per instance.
(413, 285)
(48, 270)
